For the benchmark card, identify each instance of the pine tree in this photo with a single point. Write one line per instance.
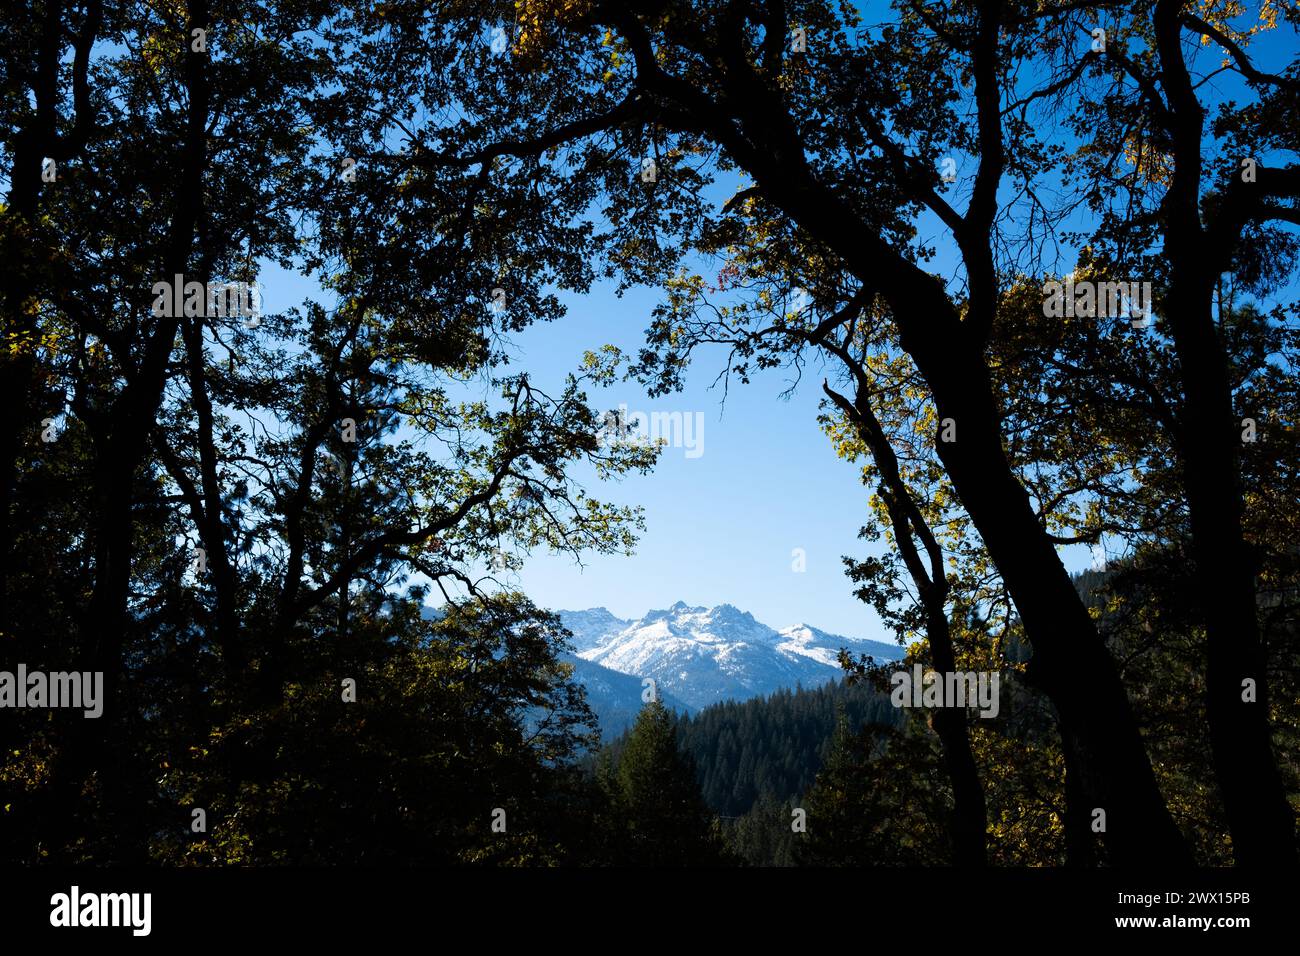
(880, 800)
(657, 799)
(765, 836)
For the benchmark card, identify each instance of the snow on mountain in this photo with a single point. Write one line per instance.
(814, 643)
(591, 626)
(704, 655)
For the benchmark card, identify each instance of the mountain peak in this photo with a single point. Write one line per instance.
(703, 655)
(591, 626)
(730, 611)
(673, 612)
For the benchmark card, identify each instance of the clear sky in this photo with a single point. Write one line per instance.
(722, 526)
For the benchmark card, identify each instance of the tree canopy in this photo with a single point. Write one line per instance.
(237, 515)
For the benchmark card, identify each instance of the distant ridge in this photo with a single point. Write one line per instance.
(702, 655)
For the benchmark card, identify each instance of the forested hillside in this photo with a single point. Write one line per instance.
(770, 745)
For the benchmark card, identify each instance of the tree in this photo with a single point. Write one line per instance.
(456, 745)
(236, 506)
(765, 836)
(656, 799)
(862, 811)
(1197, 206)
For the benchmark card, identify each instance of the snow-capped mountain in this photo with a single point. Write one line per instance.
(590, 627)
(824, 648)
(704, 655)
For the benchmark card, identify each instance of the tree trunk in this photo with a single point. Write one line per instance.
(1208, 439)
(120, 453)
(1070, 661)
(1259, 817)
(970, 810)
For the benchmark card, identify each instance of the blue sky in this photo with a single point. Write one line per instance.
(723, 526)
